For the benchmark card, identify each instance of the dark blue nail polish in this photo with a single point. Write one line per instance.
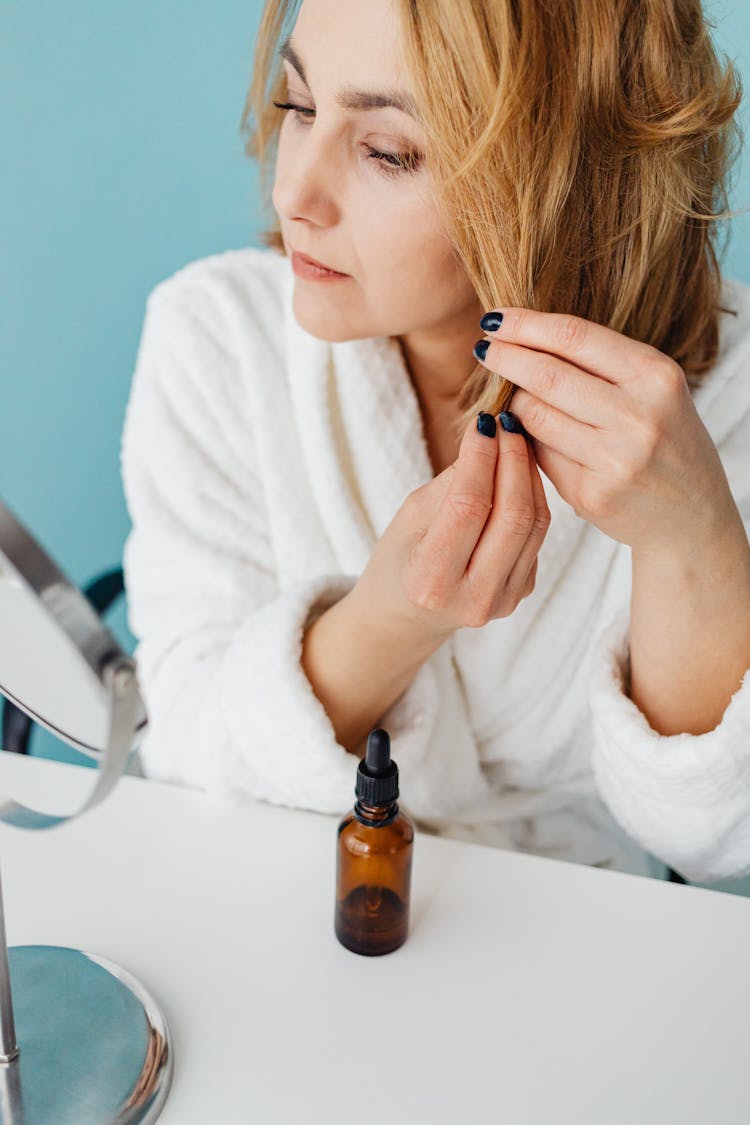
(480, 348)
(509, 422)
(491, 321)
(486, 424)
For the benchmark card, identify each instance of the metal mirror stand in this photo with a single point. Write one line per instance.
(82, 1042)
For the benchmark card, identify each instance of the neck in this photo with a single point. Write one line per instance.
(439, 360)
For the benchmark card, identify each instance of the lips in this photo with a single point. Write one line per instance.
(314, 262)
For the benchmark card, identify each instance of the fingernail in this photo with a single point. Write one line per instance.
(486, 424)
(509, 422)
(480, 349)
(491, 321)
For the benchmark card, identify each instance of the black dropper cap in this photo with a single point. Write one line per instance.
(377, 774)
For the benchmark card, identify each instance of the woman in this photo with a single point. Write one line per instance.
(330, 530)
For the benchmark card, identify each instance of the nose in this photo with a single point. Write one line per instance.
(305, 179)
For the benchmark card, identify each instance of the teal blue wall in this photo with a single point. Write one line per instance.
(122, 161)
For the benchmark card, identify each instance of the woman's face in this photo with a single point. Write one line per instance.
(339, 202)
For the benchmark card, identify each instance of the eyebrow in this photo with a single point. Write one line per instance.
(349, 98)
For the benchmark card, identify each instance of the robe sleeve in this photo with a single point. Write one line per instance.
(683, 797)
(218, 642)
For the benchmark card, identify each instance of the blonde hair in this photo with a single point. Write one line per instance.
(578, 149)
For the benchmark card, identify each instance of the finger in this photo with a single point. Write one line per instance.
(588, 445)
(513, 541)
(600, 350)
(531, 580)
(453, 534)
(562, 387)
(526, 564)
(511, 521)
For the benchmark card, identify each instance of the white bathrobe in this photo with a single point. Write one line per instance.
(260, 466)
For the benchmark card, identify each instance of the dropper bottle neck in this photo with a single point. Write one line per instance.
(377, 816)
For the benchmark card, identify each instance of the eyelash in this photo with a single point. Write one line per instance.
(390, 163)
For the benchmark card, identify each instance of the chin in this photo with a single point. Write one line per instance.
(328, 325)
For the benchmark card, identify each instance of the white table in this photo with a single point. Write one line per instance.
(528, 991)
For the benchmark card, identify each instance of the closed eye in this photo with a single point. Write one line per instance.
(391, 163)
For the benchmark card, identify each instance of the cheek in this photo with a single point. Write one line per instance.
(403, 245)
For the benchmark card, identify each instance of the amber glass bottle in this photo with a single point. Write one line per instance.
(374, 852)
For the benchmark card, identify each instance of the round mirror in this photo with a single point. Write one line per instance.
(54, 646)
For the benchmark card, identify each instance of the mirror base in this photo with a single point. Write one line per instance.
(94, 1048)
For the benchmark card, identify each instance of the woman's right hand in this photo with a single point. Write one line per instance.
(462, 549)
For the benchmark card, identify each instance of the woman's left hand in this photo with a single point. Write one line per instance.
(614, 427)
